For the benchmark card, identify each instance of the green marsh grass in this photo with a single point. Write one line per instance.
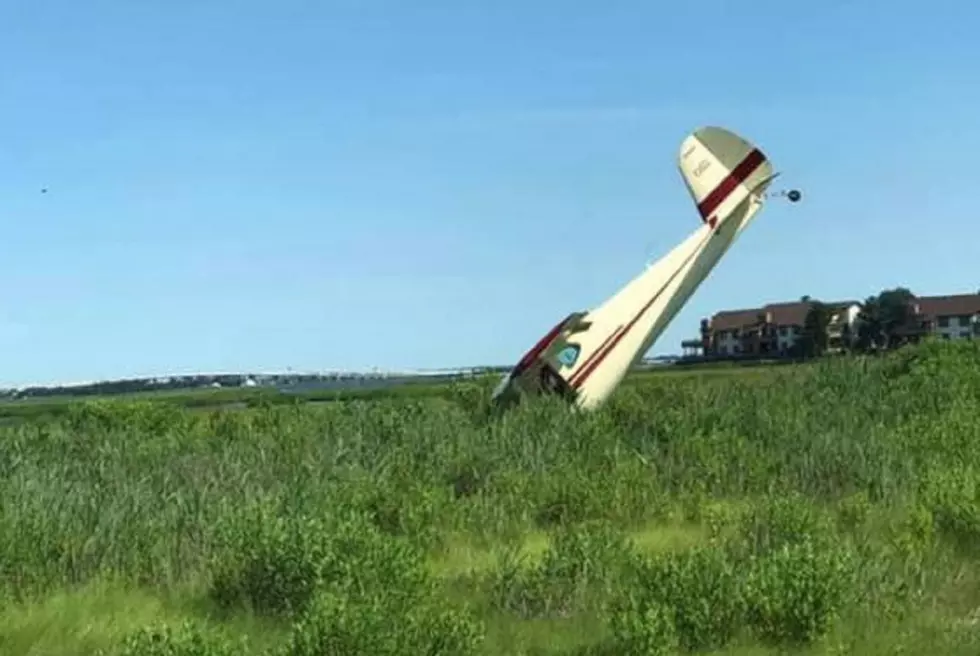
(823, 509)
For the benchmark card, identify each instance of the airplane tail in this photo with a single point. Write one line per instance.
(585, 357)
(721, 170)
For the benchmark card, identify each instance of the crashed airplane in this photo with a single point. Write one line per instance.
(585, 357)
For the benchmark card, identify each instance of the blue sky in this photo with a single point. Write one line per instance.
(316, 185)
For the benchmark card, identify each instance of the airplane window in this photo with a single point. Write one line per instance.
(569, 355)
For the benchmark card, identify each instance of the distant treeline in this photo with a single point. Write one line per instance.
(132, 385)
(281, 381)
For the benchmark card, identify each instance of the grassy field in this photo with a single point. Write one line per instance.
(826, 509)
(52, 407)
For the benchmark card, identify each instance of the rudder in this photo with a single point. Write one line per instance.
(720, 170)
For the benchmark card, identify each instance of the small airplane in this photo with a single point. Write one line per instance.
(585, 357)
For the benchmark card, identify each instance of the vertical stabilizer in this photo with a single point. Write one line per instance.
(720, 170)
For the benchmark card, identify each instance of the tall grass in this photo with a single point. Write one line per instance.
(831, 507)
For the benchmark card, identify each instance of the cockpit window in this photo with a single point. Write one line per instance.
(569, 355)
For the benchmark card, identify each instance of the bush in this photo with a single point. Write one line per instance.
(794, 593)
(778, 521)
(952, 495)
(271, 564)
(402, 509)
(371, 625)
(643, 629)
(352, 588)
(275, 565)
(702, 588)
(186, 640)
(582, 569)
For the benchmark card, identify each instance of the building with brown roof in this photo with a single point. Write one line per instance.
(950, 317)
(772, 329)
(776, 328)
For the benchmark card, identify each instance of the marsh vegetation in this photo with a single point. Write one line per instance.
(832, 508)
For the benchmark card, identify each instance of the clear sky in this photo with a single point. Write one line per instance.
(251, 186)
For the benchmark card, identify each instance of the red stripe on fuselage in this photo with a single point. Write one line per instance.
(536, 350)
(588, 361)
(586, 371)
(739, 174)
(583, 375)
(706, 208)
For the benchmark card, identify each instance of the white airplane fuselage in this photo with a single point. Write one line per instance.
(585, 357)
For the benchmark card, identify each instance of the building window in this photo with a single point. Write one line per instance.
(964, 319)
(736, 333)
(944, 322)
(965, 334)
(782, 331)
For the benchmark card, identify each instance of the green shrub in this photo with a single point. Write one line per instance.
(582, 569)
(398, 508)
(275, 565)
(642, 628)
(150, 417)
(794, 593)
(914, 534)
(186, 640)
(781, 520)
(374, 625)
(702, 587)
(952, 495)
(365, 563)
(271, 564)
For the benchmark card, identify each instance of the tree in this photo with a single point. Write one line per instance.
(813, 341)
(882, 317)
(869, 326)
(846, 337)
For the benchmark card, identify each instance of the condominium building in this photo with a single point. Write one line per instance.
(775, 329)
